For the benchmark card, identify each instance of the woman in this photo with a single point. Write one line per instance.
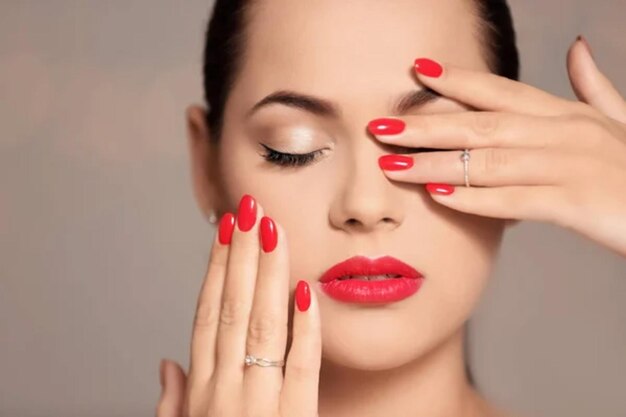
(331, 155)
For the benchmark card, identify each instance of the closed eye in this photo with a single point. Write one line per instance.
(298, 160)
(289, 159)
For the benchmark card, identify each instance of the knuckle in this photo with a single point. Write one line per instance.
(301, 371)
(261, 330)
(588, 130)
(207, 315)
(231, 312)
(494, 160)
(421, 124)
(483, 123)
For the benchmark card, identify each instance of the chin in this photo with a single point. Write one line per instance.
(378, 345)
(362, 361)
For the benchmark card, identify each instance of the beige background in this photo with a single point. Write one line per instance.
(102, 250)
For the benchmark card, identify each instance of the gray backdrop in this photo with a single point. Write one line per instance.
(103, 250)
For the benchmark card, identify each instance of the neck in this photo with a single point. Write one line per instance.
(435, 385)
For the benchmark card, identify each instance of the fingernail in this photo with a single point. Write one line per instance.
(428, 67)
(303, 295)
(395, 162)
(443, 189)
(586, 44)
(385, 126)
(246, 214)
(268, 234)
(227, 225)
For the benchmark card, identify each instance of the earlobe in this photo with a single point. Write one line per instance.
(203, 161)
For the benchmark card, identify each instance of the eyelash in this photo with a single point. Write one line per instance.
(295, 159)
(289, 159)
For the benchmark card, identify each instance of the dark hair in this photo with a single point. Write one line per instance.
(226, 39)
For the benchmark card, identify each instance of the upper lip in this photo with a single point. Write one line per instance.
(362, 265)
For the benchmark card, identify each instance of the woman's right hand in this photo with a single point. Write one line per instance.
(243, 308)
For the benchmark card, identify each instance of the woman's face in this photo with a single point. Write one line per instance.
(357, 55)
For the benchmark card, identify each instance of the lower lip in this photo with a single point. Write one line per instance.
(381, 291)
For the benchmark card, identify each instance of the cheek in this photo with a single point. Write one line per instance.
(465, 265)
(459, 261)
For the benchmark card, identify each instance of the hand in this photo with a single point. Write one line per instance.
(243, 308)
(534, 156)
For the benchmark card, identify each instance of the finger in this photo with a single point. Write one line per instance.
(485, 90)
(487, 167)
(206, 319)
(241, 275)
(590, 85)
(538, 203)
(173, 393)
(267, 331)
(476, 129)
(301, 385)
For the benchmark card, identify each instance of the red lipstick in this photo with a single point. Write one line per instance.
(345, 280)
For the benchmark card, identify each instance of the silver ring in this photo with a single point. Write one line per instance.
(465, 157)
(251, 360)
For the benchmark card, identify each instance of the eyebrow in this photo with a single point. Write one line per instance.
(326, 108)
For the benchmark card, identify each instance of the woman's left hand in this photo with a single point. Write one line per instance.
(534, 156)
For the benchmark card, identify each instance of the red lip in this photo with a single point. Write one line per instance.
(361, 265)
(364, 291)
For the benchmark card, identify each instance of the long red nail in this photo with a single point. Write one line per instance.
(269, 235)
(395, 162)
(444, 189)
(428, 67)
(246, 214)
(385, 126)
(227, 225)
(303, 295)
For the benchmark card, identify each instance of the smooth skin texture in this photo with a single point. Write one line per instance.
(401, 359)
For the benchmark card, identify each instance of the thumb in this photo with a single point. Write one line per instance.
(590, 84)
(173, 381)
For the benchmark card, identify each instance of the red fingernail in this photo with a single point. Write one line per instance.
(395, 162)
(303, 295)
(385, 126)
(428, 67)
(269, 236)
(227, 225)
(444, 189)
(246, 214)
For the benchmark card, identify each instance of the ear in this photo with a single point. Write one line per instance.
(203, 157)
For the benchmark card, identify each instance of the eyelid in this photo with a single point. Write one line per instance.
(290, 153)
(293, 160)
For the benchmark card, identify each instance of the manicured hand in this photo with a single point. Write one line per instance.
(534, 156)
(243, 308)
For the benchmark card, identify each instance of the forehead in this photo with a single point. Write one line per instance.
(345, 48)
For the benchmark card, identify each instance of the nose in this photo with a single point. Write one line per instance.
(366, 200)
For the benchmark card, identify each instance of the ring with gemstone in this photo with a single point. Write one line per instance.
(465, 157)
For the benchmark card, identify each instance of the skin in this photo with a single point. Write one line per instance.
(345, 203)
